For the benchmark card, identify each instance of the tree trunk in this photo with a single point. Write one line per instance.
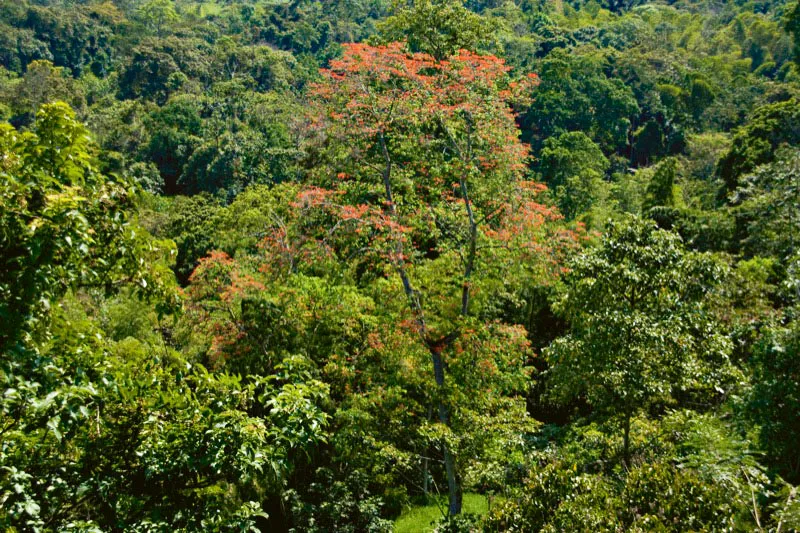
(435, 347)
(454, 492)
(425, 460)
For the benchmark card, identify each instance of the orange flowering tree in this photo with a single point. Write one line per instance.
(418, 167)
(389, 272)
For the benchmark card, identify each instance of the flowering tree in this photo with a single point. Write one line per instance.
(418, 165)
(410, 236)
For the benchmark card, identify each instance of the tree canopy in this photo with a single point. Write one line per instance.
(412, 265)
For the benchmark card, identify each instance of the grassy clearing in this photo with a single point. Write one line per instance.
(420, 519)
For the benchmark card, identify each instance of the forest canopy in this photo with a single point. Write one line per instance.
(411, 265)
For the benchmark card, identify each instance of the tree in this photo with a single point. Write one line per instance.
(174, 130)
(100, 431)
(190, 225)
(105, 434)
(79, 37)
(766, 208)
(793, 27)
(639, 332)
(20, 47)
(157, 68)
(234, 161)
(774, 399)
(422, 161)
(64, 223)
(756, 143)
(157, 15)
(649, 142)
(258, 66)
(41, 84)
(701, 95)
(436, 27)
(661, 189)
(576, 94)
(574, 167)
(148, 74)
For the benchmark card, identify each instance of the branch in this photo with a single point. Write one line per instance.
(411, 293)
(753, 496)
(792, 494)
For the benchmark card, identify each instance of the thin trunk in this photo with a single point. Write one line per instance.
(400, 266)
(466, 155)
(455, 494)
(425, 460)
(453, 478)
(473, 242)
(454, 491)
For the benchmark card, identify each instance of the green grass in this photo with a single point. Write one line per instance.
(419, 519)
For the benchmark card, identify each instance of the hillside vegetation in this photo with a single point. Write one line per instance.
(308, 266)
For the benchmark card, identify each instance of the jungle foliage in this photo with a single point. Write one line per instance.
(301, 265)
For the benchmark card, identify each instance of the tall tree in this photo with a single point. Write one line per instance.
(774, 401)
(640, 333)
(767, 212)
(574, 167)
(158, 15)
(424, 155)
(756, 143)
(64, 223)
(436, 27)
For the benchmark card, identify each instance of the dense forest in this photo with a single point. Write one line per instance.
(373, 265)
